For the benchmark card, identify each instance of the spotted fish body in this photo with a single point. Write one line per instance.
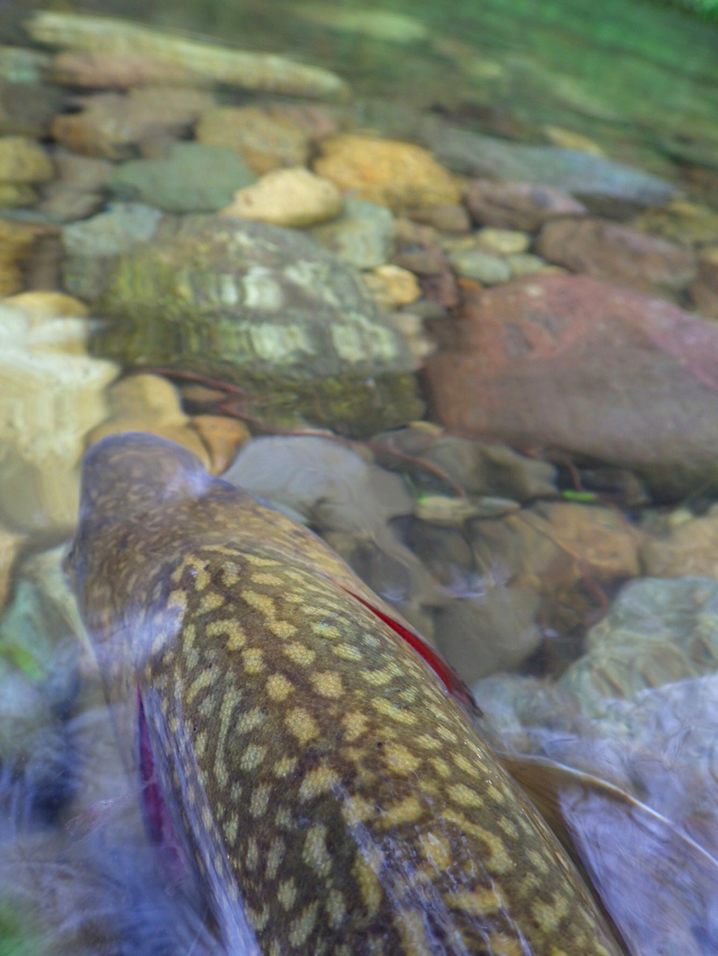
(334, 799)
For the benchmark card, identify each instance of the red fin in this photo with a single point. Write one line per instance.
(155, 810)
(156, 814)
(443, 670)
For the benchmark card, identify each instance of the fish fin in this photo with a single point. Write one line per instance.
(657, 886)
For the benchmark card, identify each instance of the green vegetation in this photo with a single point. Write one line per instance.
(703, 7)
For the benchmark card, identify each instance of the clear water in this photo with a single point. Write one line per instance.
(640, 81)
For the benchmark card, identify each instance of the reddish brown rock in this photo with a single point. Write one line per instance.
(574, 364)
(610, 251)
(511, 205)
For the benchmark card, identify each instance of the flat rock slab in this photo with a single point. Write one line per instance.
(607, 250)
(575, 364)
(604, 186)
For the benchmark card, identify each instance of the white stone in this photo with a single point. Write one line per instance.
(52, 394)
(287, 197)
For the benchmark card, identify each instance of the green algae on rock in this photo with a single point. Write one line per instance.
(266, 309)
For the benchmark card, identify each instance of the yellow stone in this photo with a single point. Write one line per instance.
(149, 403)
(287, 197)
(389, 172)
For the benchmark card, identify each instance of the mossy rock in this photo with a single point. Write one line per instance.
(266, 309)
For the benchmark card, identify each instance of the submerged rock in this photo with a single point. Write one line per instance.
(515, 205)
(52, 394)
(23, 160)
(287, 197)
(78, 190)
(585, 367)
(494, 631)
(657, 631)
(394, 174)
(362, 235)
(704, 290)
(266, 309)
(16, 242)
(384, 25)
(603, 185)
(113, 125)
(689, 548)
(265, 140)
(149, 403)
(253, 71)
(607, 250)
(193, 178)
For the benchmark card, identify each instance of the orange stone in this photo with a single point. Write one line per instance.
(391, 173)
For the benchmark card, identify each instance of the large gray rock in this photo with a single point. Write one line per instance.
(602, 184)
(259, 306)
(656, 632)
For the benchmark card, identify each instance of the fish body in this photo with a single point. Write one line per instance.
(332, 797)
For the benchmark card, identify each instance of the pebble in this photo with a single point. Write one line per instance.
(264, 141)
(112, 125)
(392, 286)
(385, 25)
(22, 65)
(442, 510)
(222, 437)
(149, 403)
(23, 160)
(446, 217)
(516, 205)
(287, 197)
(493, 632)
(260, 306)
(526, 264)
(617, 253)
(362, 235)
(16, 195)
(78, 190)
(40, 306)
(656, 632)
(392, 173)
(554, 546)
(502, 242)
(690, 548)
(412, 329)
(16, 240)
(475, 264)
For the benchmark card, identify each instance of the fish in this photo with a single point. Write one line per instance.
(311, 758)
(654, 881)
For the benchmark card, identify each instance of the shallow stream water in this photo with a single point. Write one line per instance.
(512, 444)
